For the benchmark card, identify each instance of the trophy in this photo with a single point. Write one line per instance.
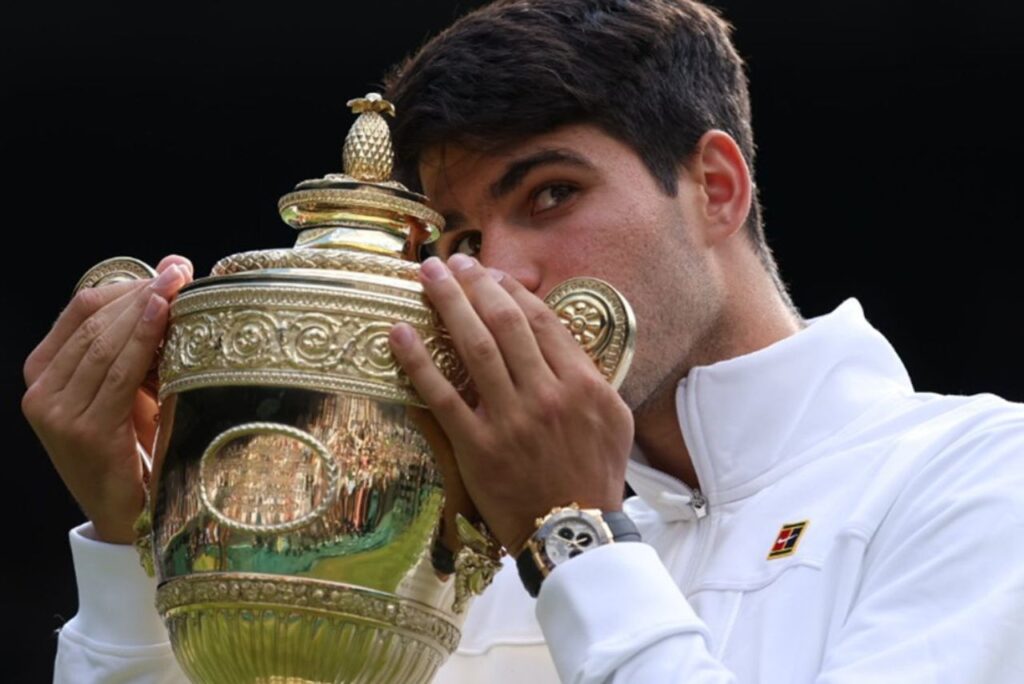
(293, 500)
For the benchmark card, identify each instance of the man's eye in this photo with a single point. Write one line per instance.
(551, 196)
(468, 243)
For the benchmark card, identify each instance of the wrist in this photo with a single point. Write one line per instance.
(567, 532)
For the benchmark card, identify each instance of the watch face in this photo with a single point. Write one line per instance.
(569, 538)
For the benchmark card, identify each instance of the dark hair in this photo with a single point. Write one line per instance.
(654, 74)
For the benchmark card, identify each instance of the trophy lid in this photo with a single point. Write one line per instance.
(360, 212)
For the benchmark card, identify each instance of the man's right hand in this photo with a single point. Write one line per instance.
(86, 400)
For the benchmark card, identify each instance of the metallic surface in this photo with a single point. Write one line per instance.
(294, 501)
(115, 270)
(601, 321)
(326, 331)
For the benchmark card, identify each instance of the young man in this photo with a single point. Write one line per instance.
(805, 515)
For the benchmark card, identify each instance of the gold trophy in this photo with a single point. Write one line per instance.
(293, 500)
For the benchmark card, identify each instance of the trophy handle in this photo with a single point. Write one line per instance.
(600, 320)
(116, 270)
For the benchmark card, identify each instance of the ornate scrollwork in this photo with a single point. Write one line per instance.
(321, 338)
(270, 593)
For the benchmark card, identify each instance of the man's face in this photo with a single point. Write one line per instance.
(576, 202)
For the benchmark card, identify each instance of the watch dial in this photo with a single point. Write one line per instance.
(569, 538)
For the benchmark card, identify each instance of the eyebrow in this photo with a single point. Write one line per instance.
(517, 170)
(513, 177)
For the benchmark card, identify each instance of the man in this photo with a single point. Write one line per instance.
(805, 515)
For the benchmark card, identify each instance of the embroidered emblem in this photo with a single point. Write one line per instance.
(789, 537)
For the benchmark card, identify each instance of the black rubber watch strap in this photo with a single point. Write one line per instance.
(529, 573)
(621, 527)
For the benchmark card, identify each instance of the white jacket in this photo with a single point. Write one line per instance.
(909, 568)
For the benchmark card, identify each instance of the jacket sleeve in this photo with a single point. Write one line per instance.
(941, 594)
(116, 636)
(615, 615)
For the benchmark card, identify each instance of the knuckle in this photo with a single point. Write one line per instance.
(541, 318)
(503, 318)
(591, 383)
(548, 402)
(118, 376)
(446, 400)
(101, 351)
(90, 329)
(31, 369)
(86, 301)
(482, 349)
(31, 404)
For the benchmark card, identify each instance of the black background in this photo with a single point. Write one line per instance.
(889, 146)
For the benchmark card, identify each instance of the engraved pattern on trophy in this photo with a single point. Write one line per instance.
(600, 320)
(317, 259)
(315, 338)
(261, 478)
(373, 632)
(219, 588)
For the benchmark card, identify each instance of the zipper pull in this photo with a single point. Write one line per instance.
(699, 504)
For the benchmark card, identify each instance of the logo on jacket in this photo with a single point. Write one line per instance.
(789, 537)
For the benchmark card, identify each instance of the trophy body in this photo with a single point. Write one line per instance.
(294, 499)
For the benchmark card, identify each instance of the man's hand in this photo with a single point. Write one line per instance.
(547, 429)
(86, 400)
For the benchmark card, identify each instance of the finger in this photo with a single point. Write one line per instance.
(89, 337)
(562, 353)
(473, 341)
(98, 361)
(84, 304)
(115, 396)
(455, 417)
(504, 319)
(176, 259)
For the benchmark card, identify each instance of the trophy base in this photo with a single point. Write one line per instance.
(235, 628)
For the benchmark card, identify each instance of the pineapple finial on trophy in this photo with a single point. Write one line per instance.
(367, 155)
(363, 208)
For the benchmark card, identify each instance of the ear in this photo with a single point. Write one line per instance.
(718, 169)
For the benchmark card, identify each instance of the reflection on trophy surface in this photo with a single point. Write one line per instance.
(293, 499)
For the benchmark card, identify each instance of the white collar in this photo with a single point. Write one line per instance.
(749, 420)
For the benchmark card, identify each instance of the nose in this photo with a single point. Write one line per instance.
(511, 251)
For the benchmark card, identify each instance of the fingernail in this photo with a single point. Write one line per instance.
(496, 274)
(153, 307)
(169, 278)
(434, 269)
(401, 334)
(187, 268)
(460, 262)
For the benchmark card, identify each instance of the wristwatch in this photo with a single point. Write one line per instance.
(565, 533)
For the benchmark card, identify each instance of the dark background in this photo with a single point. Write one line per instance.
(889, 145)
